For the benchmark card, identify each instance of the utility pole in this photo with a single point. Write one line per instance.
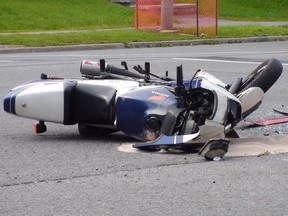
(167, 14)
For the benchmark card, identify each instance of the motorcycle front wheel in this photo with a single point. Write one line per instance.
(264, 76)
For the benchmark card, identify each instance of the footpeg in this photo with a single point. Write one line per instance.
(40, 127)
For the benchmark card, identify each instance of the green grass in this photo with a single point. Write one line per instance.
(39, 15)
(48, 15)
(272, 10)
(252, 31)
(126, 36)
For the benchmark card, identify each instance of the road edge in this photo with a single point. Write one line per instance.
(83, 47)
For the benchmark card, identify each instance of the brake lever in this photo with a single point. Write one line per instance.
(139, 69)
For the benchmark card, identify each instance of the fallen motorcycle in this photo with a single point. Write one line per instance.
(197, 114)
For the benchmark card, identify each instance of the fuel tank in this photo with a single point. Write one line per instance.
(140, 113)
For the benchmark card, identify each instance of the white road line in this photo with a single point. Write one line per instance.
(5, 61)
(222, 61)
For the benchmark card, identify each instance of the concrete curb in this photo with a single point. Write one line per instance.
(206, 41)
(16, 49)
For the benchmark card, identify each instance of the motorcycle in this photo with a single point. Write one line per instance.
(192, 115)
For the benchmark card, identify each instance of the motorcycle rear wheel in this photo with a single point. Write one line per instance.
(264, 76)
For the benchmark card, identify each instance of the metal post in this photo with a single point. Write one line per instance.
(216, 17)
(167, 14)
(197, 17)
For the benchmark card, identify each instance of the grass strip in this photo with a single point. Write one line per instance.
(253, 10)
(133, 35)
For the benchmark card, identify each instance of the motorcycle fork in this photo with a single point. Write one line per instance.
(189, 125)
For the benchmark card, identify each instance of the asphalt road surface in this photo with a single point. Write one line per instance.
(63, 173)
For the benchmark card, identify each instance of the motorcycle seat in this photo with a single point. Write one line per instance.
(90, 104)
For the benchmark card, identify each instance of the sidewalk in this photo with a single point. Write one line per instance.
(21, 49)
(239, 23)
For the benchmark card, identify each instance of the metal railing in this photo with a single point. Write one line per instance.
(197, 17)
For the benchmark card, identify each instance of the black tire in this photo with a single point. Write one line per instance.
(93, 130)
(264, 76)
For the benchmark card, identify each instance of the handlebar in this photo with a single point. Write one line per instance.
(94, 69)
